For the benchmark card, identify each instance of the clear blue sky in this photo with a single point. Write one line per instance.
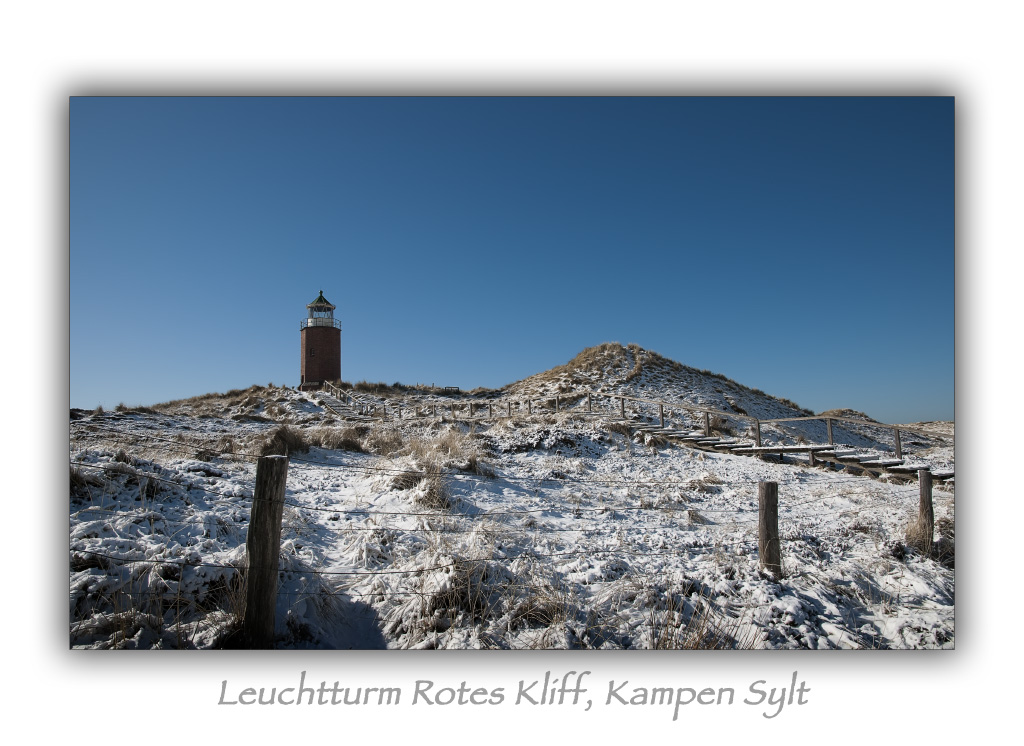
(803, 246)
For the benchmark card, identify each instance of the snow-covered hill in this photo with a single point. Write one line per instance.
(547, 530)
(612, 368)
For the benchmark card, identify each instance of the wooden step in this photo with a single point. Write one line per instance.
(908, 468)
(883, 462)
(782, 449)
(731, 444)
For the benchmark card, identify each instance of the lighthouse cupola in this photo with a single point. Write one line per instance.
(321, 344)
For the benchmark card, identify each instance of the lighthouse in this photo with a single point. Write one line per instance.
(321, 345)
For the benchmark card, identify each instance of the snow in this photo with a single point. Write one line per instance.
(533, 532)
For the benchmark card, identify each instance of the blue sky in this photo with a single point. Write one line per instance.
(803, 246)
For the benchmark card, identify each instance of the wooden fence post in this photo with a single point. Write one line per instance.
(768, 547)
(556, 403)
(707, 425)
(622, 407)
(828, 422)
(899, 447)
(471, 410)
(757, 424)
(262, 549)
(590, 402)
(925, 512)
(661, 414)
(529, 405)
(490, 411)
(510, 408)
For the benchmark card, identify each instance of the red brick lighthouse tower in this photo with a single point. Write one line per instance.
(321, 345)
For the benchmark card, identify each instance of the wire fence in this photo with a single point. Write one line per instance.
(123, 547)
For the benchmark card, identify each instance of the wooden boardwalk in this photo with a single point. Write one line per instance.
(817, 453)
(351, 406)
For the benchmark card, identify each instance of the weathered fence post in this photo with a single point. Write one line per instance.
(899, 447)
(529, 405)
(590, 402)
(661, 414)
(707, 425)
(262, 549)
(510, 409)
(471, 410)
(828, 422)
(622, 407)
(556, 403)
(925, 512)
(768, 527)
(757, 438)
(490, 411)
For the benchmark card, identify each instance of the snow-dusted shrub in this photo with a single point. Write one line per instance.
(432, 490)
(455, 590)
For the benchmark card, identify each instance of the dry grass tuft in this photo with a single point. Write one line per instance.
(465, 589)
(433, 491)
(944, 548)
(475, 465)
(672, 628)
(339, 438)
(620, 428)
(82, 482)
(653, 440)
(283, 441)
(452, 448)
(543, 606)
(124, 457)
(706, 484)
(384, 441)
(695, 518)
(919, 537)
(720, 426)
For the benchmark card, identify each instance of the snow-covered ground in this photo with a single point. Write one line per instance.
(544, 531)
